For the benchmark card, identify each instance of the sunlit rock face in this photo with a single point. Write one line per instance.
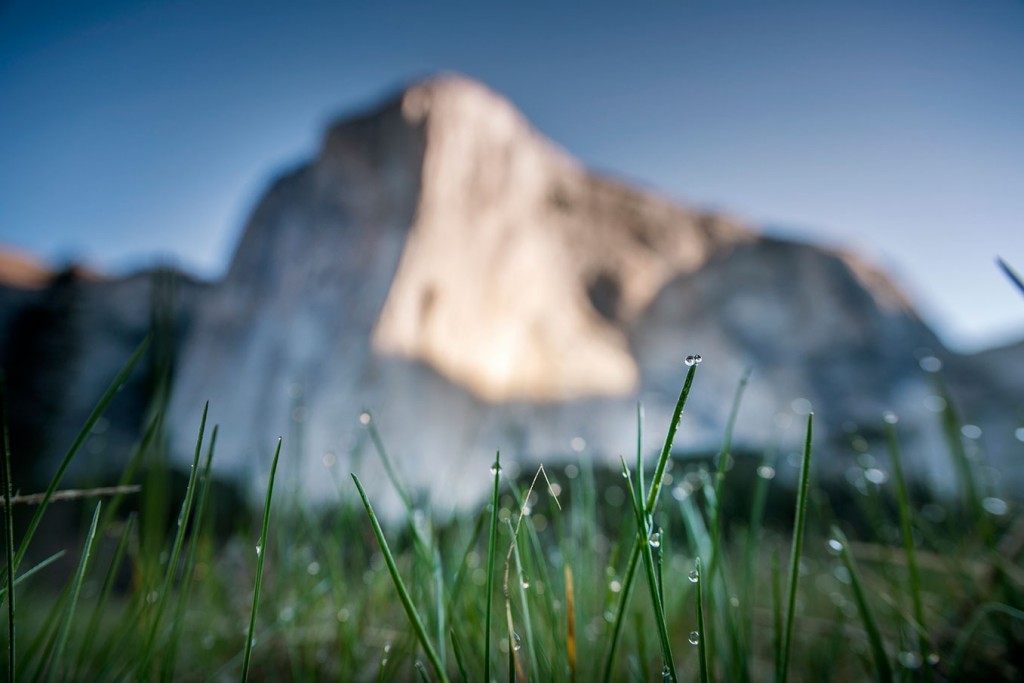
(444, 265)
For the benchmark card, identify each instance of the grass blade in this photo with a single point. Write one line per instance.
(57, 667)
(570, 624)
(179, 539)
(644, 534)
(652, 500)
(403, 594)
(8, 535)
(101, 406)
(794, 557)
(491, 549)
(190, 563)
(458, 656)
(906, 530)
(1014, 278)
(261, 554)
(702, 651)
(883, 669)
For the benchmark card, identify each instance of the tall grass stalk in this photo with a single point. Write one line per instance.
(644, 538)
(57, 666)
(794, 556)
(8, 535)
(492, 544)
(907, 532)
(883, 670)
(652, 500)
(101, 406)
(261, 555)
(179, 540)
(702, 631)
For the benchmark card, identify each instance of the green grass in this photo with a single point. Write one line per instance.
(343, 595)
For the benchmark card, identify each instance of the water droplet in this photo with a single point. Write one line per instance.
(891, 418)
(518, 642)
(496, 468)
(930, 364)
(329, 459)
(734, 601)
(1019, 433)
(286, 614)
(910, 660)
(801, 406)
(933, 658)
(766, 472)
(259, 551)
(834, 546)
(343, 615)
(313, 568)
(695, 359)
(577, 444)
(694, 638)
(615, 586)
(694, 576)
(525, 583)
(364, 418)
(875, 475)
(936, 404)
(666, 673)
(971, 431)
(995, 506)
(655, 539)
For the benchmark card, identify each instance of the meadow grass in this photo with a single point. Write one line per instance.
(535, 586)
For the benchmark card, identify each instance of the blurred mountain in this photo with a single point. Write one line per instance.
(443, 265)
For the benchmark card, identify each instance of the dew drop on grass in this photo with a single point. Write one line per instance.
(933, 658)
(666, 673)
(875, 475)
(495, 468)
(766, 472)
(930, 364)
(694, 638)
(518, 642)
(615, 586)
(910, 660)
(995, 506)
(891, 418)
(525, 583)
(364, 418)
(695, 359)
(834, 546)
(655, 539)
(694, 576)
(259, 551)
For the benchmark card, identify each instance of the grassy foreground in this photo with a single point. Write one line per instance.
(671, 571)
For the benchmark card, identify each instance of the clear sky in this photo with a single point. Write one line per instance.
(135, 129)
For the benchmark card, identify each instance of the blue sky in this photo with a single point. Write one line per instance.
(131, 130)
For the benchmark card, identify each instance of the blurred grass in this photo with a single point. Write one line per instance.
(887, 586)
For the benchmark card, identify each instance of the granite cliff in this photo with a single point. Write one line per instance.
(445, 266)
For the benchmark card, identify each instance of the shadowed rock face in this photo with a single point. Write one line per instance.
(445, 266)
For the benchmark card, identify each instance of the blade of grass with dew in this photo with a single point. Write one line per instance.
(8, 536)
(491, 550)
(184, 594)
(906, 529)
(524, 603)
(644, 532)
(172, 564)
(652, 499)
(883, 670)
(57, 664)
(794, 556)
(261, 554)
(403, 594)
(101, 406)
(765, 474)
(702, 631)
